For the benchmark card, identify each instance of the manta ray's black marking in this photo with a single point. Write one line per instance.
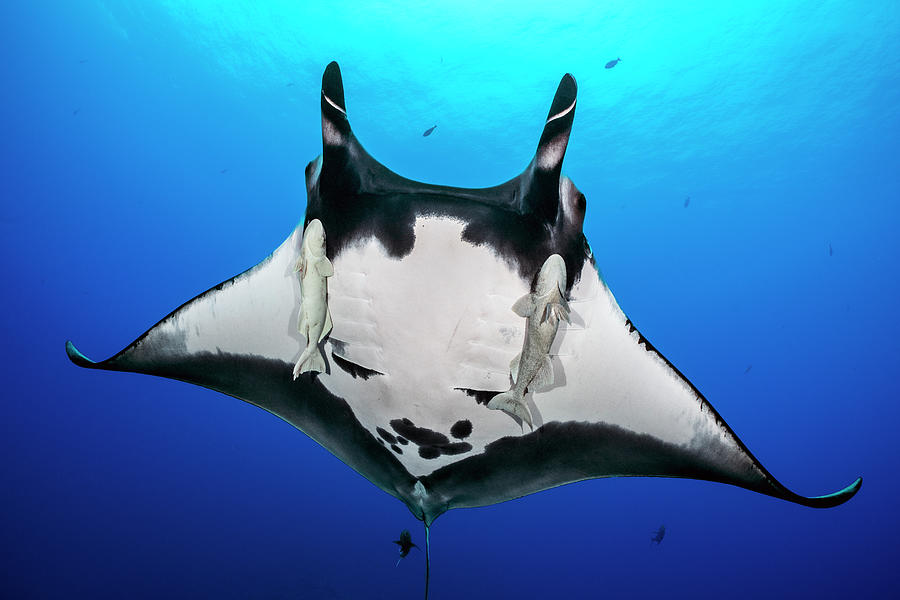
(524, 220)
(353, 369)
(432, 444)
(621, 410)
(386, 436)
(461, 429)
(481, 396)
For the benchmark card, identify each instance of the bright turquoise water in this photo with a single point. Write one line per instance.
(153, 149)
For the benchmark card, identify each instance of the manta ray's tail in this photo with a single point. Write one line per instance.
(427, 559)
(511, 403)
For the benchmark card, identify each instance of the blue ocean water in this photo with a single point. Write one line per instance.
(154, 149)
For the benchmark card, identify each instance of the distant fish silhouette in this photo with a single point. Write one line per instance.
(429, 131)
(82, 61)
(75, 112)
(406, 544)
(613, 63)
(223, 171)
(687, 201)
(659, 535)
(291, 84)
(830, 250)
(747, 370)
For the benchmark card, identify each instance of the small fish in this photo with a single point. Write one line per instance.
(613, 63)
(830, 250)
(313, 268)
(82, 61)
(406, 544)
(658, 535)
(291, 84)
(543, 309)
(687, 201)
(75, 112)
(747, 370)
(223, 171)
(429, 131)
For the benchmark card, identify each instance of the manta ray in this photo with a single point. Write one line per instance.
(425, 292)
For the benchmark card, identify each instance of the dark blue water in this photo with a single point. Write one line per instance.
(150, 152)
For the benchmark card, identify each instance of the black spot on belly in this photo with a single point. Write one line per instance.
(456, 448)
(450, 449)
(481, 396)
(461, 429)
(429, 452)
(432, 444)
(352, 368)
(396, 449)
(403, 441)
(390, 439)
(420, 436)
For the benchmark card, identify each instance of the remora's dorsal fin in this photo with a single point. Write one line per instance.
(540, 182)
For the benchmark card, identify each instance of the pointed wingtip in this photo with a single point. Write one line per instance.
(838, 497)
(829, 500)
(77, 357)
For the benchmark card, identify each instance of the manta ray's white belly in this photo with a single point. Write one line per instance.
(434, 321)
(439, 320)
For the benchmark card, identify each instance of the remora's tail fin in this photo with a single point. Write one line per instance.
(310, 361)
(509, 403)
